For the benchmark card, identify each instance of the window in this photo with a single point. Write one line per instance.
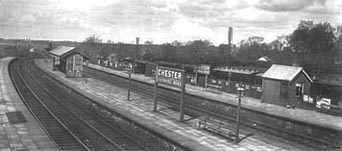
(57, 62)
(299, 89)
(69, 64)
(78, 60)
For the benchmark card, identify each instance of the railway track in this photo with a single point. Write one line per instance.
(49, 122)
(197, 106)
(87, 124)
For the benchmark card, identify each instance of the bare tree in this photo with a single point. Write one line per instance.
(93, 39)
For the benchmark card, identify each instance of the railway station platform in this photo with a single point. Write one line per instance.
(165, 121)
(18, 128)
(307, 116)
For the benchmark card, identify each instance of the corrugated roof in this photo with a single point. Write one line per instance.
(61, 50)
(282, 72)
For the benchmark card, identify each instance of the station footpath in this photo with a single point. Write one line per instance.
(165, 121)
(18, 129)
(307, 116)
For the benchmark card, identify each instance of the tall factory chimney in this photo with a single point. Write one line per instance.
(230, 37)
(137, 41)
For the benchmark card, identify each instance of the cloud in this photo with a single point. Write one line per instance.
(185, 28)
(203, 8)
(287, 5)
(160, 20)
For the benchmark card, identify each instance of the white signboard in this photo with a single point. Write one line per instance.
(170, 76)
(202, 69)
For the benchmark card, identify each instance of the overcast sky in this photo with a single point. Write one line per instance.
(160, 21)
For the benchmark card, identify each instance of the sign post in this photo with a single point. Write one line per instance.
(172, 77)
(155, 91)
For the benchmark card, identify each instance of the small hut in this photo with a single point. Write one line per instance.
(286, 86)
(68, 60)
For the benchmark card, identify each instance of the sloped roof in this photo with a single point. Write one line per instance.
(285, 73)
(241, 70)
(61, 50)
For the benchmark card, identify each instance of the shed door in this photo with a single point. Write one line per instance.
(284, 94)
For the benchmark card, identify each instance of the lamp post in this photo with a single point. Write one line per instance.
(129, 70)
(129, 85)
(240, 92)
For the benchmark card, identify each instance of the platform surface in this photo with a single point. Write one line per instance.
(18, 129)
(307, 116)
(165, 120)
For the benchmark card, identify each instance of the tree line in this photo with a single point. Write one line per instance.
(315, 48)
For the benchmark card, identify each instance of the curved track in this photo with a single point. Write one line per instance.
(70, 120)
(57, 131)
(198, 106)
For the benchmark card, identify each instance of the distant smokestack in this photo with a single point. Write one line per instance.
(230, 36)
(137, 40)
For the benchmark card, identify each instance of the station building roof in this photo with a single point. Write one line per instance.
(61, 50)
(284, 73)
(64, 50)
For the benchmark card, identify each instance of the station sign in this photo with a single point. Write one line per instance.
(173, 77)
(170, 76)
(202, 69)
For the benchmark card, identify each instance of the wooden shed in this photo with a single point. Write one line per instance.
(287, 86)
(68, 60)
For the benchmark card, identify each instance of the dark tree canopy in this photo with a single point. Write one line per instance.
(317, 39)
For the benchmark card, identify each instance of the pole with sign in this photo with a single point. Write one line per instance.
(172, 77)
